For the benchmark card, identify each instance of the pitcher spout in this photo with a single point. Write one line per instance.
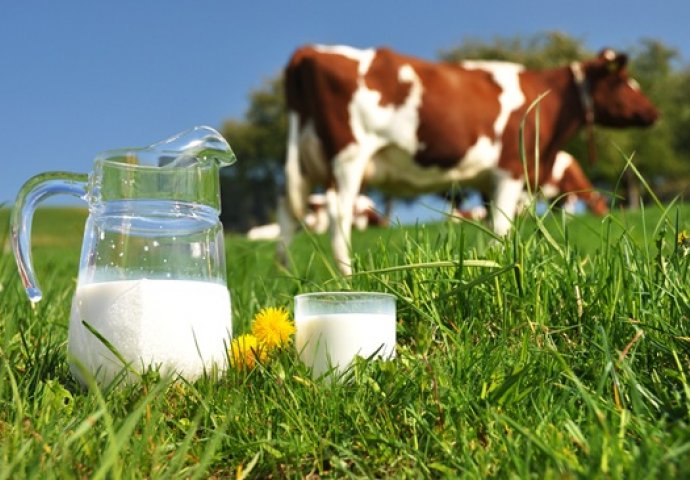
(196, 147)
(199, 144)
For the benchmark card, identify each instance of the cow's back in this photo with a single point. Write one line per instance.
(459, 106)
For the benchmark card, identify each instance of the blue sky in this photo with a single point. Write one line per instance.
(80, 77)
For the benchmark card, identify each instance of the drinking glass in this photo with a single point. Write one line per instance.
(332, 328)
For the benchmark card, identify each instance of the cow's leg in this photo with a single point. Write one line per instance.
(340, 234)
(506, 196)
(348, 170)
(573, 179)
(292, 206)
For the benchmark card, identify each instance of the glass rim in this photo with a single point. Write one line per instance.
(344, 294)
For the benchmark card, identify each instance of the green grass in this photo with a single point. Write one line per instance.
(570, 359)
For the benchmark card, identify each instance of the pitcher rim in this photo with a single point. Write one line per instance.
(109, 162)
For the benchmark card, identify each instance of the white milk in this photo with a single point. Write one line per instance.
(183, 326)
(339, 337)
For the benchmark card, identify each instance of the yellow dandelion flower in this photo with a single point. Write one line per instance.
(683, 243)
(273, 328)
(246, 351)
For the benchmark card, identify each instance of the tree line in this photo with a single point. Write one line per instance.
(662, 153)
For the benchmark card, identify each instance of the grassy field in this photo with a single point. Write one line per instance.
(567, 358)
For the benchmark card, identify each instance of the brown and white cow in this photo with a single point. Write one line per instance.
(409, 126)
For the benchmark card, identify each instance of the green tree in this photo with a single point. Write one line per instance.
(543, 50)
(250, 187)
(668, 151)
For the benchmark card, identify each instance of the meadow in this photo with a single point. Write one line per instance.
(560, 351)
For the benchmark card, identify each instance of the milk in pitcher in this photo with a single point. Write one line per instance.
(150, 322)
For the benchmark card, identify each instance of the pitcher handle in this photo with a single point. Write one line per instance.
(35, 190)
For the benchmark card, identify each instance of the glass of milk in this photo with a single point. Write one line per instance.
(332, 328)
(152, 289)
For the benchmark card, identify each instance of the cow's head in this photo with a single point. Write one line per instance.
(617, 99)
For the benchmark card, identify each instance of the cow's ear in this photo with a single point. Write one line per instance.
(607, 54)
(621, 61)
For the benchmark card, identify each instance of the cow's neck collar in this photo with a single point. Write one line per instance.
(583, 90)
(587, 105)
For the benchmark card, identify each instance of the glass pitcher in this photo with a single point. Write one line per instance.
(151, 290)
